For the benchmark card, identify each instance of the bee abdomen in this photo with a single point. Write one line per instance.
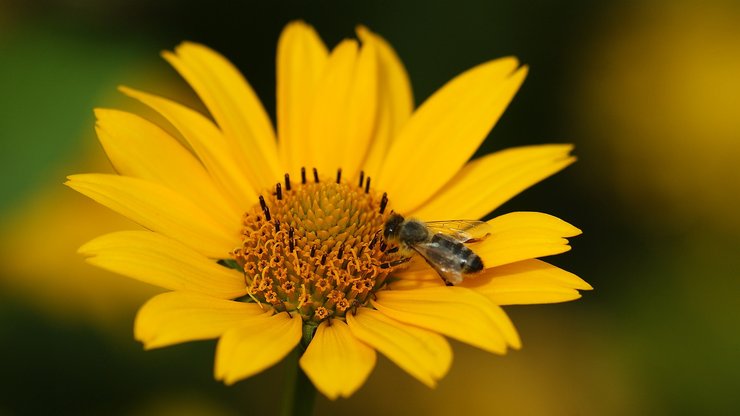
(474, 263)
(467, 260)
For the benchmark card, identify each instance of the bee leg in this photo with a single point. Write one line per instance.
(447, 282)
(374, 240)
(394, 263)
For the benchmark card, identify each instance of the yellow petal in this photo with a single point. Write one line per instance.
(159, 209)
(457, 312)
(162, 261)
(301, 58)
(523, 235)
(395, 100)
(256, 345)
(344, 110)
(423, 354)
(335, 361)
(140, 149)
(208, 143)
(527, 282)
(234, 106)
(175, 317)
(486, 183)
(446, 130)
(417, 269)
(422, 276)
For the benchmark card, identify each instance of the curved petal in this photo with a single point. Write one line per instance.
(344, 110)
(527, 282)
(457, 312)
(422, 275)
(159, 209)
(446, 130)
(255, 345)
(234, 106)
(140, 149)
(423, 354)
(486, 183)
(395, 100)
(175, 317)
(207, 142)
(523, 235)
(301, 58)
(335, 361)
(162, 261)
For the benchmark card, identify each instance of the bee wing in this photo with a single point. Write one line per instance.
(464, 231)
(440, 259)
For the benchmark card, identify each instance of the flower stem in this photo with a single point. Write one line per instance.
(299, 394)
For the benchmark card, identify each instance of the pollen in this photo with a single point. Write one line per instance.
(315, 247)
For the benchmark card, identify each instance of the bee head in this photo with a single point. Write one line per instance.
(393, 226)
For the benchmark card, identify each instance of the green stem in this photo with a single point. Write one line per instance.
(299, 394)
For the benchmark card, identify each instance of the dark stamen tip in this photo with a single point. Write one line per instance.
(383, 202)
(367, 185)
(362, 177)
(265, 209)
(279, 191)
(287, 182)
(303, 175)
(339, 175)
(291, 243)
(315, 175)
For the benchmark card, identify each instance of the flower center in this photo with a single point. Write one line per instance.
(316, 248)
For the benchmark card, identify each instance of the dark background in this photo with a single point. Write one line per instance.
(647, 91)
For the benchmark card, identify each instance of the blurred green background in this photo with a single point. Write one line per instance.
(649, 92)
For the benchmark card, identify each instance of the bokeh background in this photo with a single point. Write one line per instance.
(648, 91)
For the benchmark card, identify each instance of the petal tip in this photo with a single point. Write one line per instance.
(574, 231)
(86, 250)
(518, 77)
(126, 90)
(363, 32)
(188, 44)
(298, 24)
(166, 54)
(100, 112)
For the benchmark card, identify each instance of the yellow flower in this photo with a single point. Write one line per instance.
(270, 243)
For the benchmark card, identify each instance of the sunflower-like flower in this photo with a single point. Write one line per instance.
(270, 242)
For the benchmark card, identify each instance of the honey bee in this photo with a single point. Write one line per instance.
(440, 243)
